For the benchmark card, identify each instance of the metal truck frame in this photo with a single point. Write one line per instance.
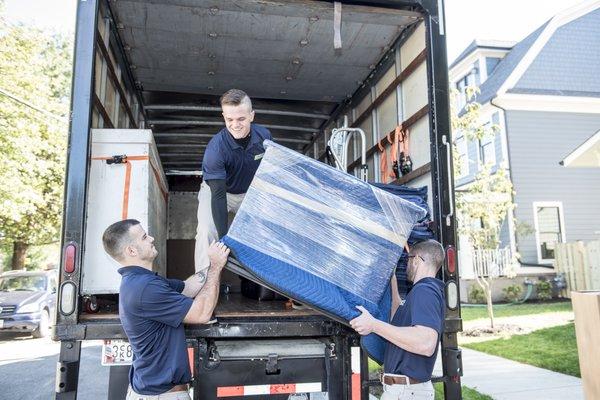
(71, 329)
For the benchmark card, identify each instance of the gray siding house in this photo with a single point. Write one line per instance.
(544, 94)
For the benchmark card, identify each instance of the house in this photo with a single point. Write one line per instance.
(544, 94)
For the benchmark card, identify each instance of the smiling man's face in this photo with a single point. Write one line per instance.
(238, 119)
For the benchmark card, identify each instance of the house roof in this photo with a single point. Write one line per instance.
(586, 155)
(482, 44)
(490, 87)
(569, 63)
(556, 59)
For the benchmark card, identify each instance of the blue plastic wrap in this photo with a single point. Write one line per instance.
(304, 214)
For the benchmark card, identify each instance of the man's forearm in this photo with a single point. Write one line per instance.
(193, 284)
(218, 205)
(415, 339)
(395, 295)
(209, 294)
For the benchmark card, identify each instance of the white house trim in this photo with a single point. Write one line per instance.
(466, 64)
(561, 217)
(586, 155)
(536, 102)
(556, 22)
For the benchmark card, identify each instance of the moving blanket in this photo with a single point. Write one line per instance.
(421, 231)
(321, 236)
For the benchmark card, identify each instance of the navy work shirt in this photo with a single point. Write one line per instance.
(424, 306)
(152, 309)
(226, 159)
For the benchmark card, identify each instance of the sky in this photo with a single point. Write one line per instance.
(466, 20)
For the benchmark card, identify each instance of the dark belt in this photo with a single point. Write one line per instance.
(178, 388)
(398, 380)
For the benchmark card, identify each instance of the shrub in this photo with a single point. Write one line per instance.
(476, 294)
(544, 290)
(512, 293)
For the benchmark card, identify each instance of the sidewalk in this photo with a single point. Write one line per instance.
(504, 379)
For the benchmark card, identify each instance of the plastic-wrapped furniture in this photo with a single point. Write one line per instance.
(321, 236)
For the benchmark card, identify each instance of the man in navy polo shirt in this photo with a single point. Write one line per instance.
(153, 309)
(415, 329)
(230, 162)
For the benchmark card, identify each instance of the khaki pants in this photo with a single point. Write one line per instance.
(182, 395)
(417, 391)
(206, 232)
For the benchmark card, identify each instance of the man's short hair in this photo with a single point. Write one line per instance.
(235, 97)
(431, 251)
(116, 237)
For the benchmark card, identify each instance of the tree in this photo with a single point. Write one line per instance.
(485, 203)
(34, 103)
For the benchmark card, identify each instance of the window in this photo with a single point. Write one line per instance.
(463, 157)
(491, 63)
(487, 153)
(487, 146)
(470, 79)
(549, 226)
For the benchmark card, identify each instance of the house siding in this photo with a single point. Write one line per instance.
(537, 141)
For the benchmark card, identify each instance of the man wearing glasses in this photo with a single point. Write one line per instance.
(414, 332)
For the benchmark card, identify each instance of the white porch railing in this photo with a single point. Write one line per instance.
(485, 263)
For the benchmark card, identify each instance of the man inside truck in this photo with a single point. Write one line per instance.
(230, 161)
(152, 310)
(415, 329)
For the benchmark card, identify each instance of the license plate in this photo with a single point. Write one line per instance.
(116, 352)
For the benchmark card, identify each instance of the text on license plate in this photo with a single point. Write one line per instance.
(116, 352)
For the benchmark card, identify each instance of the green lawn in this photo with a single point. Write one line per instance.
(471, 313)
(551, 348)
(467, 393)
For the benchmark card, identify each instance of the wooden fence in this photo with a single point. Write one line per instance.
(580, 264)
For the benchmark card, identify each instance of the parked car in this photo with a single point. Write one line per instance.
(27, 300)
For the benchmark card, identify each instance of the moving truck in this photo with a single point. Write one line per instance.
(146, 83)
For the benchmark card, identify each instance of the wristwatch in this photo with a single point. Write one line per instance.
(201, 275)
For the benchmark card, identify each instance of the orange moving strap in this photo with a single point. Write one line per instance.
(405, 141)
(383, 164)
(127, 185)
(394, 153)
(126, 190)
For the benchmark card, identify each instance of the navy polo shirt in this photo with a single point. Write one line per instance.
(225, 159)
(152, 309)
(424, 306)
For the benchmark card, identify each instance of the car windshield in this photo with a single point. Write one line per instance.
(22, 283)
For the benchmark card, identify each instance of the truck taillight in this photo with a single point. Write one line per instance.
(67, 298)
(451, 295)
(451, 260)
(69, 258)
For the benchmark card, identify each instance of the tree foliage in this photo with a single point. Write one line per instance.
(484, 204)
(34, 103)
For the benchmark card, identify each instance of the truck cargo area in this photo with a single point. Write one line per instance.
(183, 55)
(157, 68)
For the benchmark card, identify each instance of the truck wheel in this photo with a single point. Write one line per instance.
(91, 305)
(42, 329)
